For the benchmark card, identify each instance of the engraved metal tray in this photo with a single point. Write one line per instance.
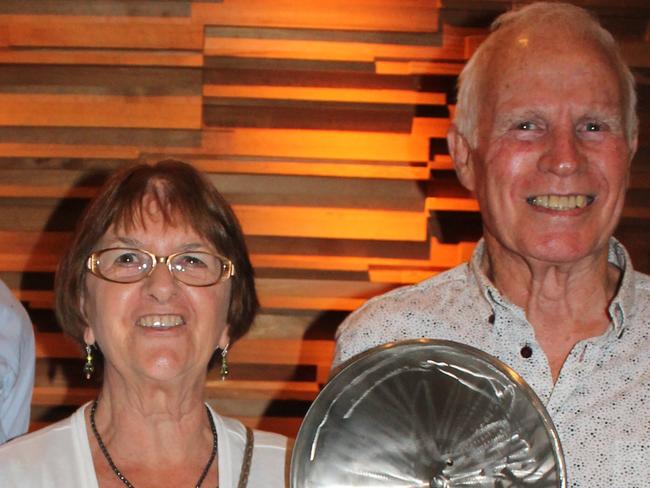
(427, 414)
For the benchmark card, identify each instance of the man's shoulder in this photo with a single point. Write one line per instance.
(642, 281)
(426, 296)
(641, 293)
(411, 312)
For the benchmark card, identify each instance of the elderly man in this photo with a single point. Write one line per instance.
(16, 366)
(544, 133)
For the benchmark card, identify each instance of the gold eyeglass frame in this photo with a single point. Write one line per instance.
(92, 265)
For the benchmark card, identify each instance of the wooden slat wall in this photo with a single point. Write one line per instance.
(322, 122)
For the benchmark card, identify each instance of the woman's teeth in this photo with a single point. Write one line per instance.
(560, 202)
(160, 321)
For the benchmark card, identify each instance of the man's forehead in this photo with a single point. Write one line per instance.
(528, 52)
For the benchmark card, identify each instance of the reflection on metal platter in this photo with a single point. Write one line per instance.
(427, 414)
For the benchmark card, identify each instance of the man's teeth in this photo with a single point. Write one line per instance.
(561, 202)
(160, 321)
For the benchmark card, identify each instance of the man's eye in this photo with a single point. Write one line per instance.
(593, 127)
(528, 125)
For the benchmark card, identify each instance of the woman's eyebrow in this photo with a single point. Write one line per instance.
(125, 240)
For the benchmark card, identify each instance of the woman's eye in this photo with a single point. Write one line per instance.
(191, 261)
(127, 258)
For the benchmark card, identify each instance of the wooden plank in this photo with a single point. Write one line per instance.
(340, 223)
(289, 114)
(126, 81)
(106, 57)
(392, 67)
(173, 112)
(366, 15)
(402, 276)
(325, 51)
(397, 171)
(449, 195)
(101, 8)
(328, 144)
(116, 138)
(321, 94)
(288, 221)
(101, 32)
(257, 73)
(259, 190)
(264, 143)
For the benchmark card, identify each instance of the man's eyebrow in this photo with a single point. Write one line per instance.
(512, 116)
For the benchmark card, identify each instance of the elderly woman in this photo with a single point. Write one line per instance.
(158, 280)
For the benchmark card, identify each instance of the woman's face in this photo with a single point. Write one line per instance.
(158, 328)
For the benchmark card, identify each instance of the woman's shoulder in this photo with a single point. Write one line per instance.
(45, 454)
(270, 456)
(261, 438)
(39, 441)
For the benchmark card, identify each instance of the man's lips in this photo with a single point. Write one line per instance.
(561, 202)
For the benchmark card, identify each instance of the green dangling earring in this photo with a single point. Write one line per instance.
(224, 371)
(89, 366)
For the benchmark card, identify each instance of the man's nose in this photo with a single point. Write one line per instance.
(563, 156)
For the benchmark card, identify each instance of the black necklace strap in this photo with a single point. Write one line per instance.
(119, 474)
(248, 459)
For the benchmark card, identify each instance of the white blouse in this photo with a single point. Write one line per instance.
(59, 456)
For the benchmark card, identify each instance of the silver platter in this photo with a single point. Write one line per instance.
(427, 414)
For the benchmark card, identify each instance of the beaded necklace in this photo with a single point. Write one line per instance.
(119, 474)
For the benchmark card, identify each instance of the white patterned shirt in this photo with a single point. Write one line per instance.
(600, 404)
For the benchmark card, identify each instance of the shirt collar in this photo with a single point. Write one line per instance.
(620, 308)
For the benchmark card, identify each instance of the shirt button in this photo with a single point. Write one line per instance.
(526, 352)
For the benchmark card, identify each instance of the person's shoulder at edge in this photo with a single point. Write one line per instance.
(383, 307)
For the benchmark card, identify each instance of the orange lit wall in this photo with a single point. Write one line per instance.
(322, 122)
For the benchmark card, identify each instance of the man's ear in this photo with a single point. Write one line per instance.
(461, 155)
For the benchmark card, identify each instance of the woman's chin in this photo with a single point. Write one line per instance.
(166, 365)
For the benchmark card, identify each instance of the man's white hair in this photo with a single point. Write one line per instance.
(539, 18)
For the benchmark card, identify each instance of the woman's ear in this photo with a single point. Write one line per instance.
(89, 335)
(224, 340)
(461, 155)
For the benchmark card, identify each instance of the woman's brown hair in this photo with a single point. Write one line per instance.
(184, 196)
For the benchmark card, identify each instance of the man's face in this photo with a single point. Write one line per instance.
(550, 167)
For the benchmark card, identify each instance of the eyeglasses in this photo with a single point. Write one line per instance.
(128, 265)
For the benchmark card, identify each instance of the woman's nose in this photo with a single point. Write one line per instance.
(161, 284)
